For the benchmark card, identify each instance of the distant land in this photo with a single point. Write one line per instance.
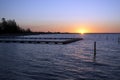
(10, 27)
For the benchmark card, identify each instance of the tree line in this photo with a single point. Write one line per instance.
(10, 26)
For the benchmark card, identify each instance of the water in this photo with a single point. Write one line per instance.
(73, 61)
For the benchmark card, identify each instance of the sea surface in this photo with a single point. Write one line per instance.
(74, 61)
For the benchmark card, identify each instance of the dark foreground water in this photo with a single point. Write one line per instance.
(62, 62)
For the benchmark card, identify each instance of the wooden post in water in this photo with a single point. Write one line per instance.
(94, 49)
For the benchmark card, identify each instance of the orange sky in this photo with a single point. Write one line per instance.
(77, 28)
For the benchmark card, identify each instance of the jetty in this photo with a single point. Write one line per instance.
(38, 40)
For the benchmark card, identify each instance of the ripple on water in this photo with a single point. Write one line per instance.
(61, 62)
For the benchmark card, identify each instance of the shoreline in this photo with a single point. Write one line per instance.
(37, 33)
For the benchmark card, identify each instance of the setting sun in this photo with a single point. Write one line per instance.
(81, 31)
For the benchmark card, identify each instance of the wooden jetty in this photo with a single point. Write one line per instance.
(4, 37)
(38, 40)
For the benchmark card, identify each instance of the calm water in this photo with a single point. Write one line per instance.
(62, 62)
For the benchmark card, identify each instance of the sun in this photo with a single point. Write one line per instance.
(82, 31)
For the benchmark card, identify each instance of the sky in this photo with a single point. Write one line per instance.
(90, 16)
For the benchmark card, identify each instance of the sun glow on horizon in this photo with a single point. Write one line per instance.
(82, 31)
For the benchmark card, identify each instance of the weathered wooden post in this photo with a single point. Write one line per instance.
(95, 49)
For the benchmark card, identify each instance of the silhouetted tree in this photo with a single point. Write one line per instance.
(4, 25)
(0, 27)
(10, 26)
(28, 30)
